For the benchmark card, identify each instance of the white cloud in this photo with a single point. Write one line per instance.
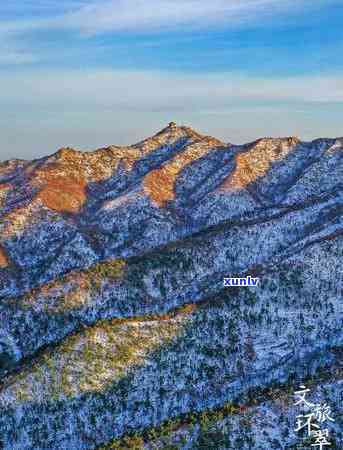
(144, 90)
(142, 15)
(157, 15)
(134, 16)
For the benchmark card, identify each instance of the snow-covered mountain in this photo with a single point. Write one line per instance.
(114, 318)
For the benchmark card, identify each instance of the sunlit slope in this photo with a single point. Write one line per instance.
(73, 209)
(114, 318)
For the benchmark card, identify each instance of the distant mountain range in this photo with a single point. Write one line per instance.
(116, 330)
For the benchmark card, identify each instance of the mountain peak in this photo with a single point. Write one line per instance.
(66, 153)
(174, 127)
(111, 280)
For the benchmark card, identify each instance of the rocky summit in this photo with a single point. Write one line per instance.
(116, 328)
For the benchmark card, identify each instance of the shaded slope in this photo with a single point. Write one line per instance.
(113, 312)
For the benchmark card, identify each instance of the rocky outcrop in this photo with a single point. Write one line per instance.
(114, 318)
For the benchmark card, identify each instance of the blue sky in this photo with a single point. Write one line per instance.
(93, 73)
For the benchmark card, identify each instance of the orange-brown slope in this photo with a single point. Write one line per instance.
(256, 161)
(63, 178)
(3, 259)
(159, 184)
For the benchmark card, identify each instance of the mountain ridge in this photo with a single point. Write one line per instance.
(172, 127)
(68, 182)
(111, 283)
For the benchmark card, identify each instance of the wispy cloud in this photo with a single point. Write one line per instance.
(157, 15)
(142, 90)
(28, 19)
(49, 104)
(152, 15)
